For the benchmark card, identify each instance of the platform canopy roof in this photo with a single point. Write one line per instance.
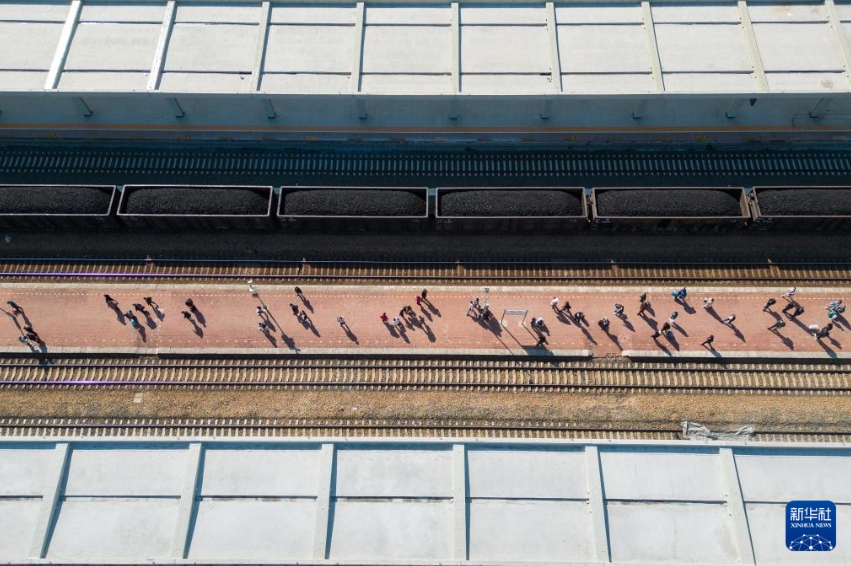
(625, 48)
(403, 501)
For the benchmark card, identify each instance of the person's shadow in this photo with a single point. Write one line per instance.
(118, 314)
(200, 316)
(737, 333)
(271, 338)
(349, 334)
(306, 302)
(149, 320)
(197, 329)
(160, 314)
(142, 332)
(404, 335)
(627, 324)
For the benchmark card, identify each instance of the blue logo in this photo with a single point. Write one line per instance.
(810, 526)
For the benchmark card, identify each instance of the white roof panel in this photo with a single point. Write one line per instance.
(641, 83)
(217, 12)
(399, 473)
(23, 472)
(807, 82)
(664, 476)
(407, 49)
(503, 14)
(205, 82)
(84, 81)
(219, 48)
(798, 47)
(23, 80)
(628, 13)
(306, 83)
(681, 533)
(787, 12)
(527, 473)
(339, 14)
(603, 49)
(438, 14)
(125, 472)
(113, 47)
(253, 529)
(530, 531)
(710, 82)
(34, 11)
(18, 519)
(506, 84)
(706, 47)
(260, 473)
(391, 530)
(691, 13)
(766, 478)
(505, 49)
(122, 12)
(28, 46)
(407, 84)
(309, 49)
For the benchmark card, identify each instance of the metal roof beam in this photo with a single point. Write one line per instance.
(54, 489)
(459, 502)
(327, 464)
(555, 61)
(357, 57)
(655, 62)
(753, 47)
(455, 31)
(162, 46)
(186, 506)
(736, 506)
(820, 109)
(61, 53)
(260, 50)
(599, 527)
(839, 35)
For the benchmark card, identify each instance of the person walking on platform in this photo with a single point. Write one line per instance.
(642, 307)
(294, 309)
(618, 310)
(566, 307)
(261, 326)
(342, 322)
(707, 303)
(673, 318)
(298, 293)
(655, 334)
(708, 342)
(789, 294)
(791, 305)
(109, 301)
(384, 318)
(799, 310)
(554, 303)
(191, 305)
(768, 304)
(729, 320)
(186, 315)
(139, 308)
(150, 302)
(604, 324)
(777, 326)
(666, 326)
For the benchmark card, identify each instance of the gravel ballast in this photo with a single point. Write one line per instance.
(668, 203)
(347, 202)
(230, 201)
(510, 203)
(55, 200)
(805, 202)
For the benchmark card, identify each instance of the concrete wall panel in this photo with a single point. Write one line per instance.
(309, 49)
(28, 46)
(114, 529)
(407, 49)
(598, 49)
(671, 476)
(504, 49)
(18, 518)
(219, 48)
(252, 529)
(113, 47)
(391, 530)
(23, 472)
(394, 473)
(527, 474)
(125, 472)
(530, 531)
(36, 11)
(671, 533)
(261, 473)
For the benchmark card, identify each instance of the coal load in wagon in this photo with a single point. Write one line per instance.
(353, 202)
(509, 203)
(794, 201)
(669, 203)
(196, 201)
(59, 206)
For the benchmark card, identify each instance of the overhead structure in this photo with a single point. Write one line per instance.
(316, 501)
(455, 70)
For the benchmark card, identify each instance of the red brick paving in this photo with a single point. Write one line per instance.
(78, 317)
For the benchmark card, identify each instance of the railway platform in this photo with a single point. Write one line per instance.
(75, 319)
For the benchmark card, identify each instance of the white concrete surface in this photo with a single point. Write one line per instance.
(402, 501)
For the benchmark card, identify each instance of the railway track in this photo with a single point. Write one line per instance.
(421, 272)
(323, 428)
(428, 375)
(256, 162)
